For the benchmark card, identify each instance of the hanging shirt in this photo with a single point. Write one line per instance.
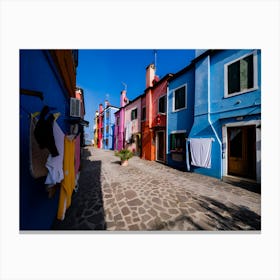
(68, 183)
(38, 156)
(44, 132)
(201, 152)
(55, 164)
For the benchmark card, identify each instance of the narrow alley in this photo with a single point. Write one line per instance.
(148, 196)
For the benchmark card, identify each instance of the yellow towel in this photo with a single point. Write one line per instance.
(68, 183)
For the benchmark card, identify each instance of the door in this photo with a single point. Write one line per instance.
(160, 148)
(242, 151)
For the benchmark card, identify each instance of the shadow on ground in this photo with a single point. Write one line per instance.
(219, 216)
(230, 218)
(86, 211)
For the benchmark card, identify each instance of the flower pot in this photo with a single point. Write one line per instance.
(124, 162)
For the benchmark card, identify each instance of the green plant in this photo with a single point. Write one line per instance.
(124, 154)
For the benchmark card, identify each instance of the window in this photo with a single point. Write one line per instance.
(143, 117)
(240, 75)
(107, 128)
(106, 142)
(134, 114)
(118, 120)
(162, 104)
(107, 114)
(179, 98)
(178, 142)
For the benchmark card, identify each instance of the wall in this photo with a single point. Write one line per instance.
(110, 122)
(213, 110)
(181, 120)
(135, 124)
(159, 91)
(202, 127)
(38, 72)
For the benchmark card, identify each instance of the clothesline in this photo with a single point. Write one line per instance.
(188, 139)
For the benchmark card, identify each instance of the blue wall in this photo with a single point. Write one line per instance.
(213, 110)
(183, 119)
(110, 121)
(37, 73)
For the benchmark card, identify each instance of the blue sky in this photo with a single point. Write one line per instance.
(100, 74)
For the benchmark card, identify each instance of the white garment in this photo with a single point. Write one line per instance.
(55, 164)
(128, 131)
(201, 152)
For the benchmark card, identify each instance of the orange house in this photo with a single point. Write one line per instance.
(153, 124)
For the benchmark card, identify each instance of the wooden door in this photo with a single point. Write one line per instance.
(160, 149)
(242, 151)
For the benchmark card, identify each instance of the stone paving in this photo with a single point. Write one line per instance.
(148, 196)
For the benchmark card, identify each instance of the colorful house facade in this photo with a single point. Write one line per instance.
(132, 127)
(227, 114)
(119, 136)
(109, 126)
(47, 78)
(180, 115)
(153, 128)
(100, 127)
(95, 129)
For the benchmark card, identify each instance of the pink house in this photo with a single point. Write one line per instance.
(132, 125)
(119, 137)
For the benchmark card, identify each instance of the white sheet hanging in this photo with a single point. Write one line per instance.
(55, 164)
(128, 131)
(201, 152)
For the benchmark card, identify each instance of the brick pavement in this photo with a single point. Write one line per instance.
(147, 196)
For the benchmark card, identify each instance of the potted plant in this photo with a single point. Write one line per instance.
(124, 155)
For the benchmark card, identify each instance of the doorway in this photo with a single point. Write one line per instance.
(242, 151)
(160, 146)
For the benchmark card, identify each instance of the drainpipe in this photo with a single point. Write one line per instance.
(167, 142)
(209, 119)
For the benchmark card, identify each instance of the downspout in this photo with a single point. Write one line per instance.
(209, 119)
(167, 118)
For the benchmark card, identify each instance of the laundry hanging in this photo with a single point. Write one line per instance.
(201, 152)
(55, 164)
(44, 131)
(128, 132)
(68, 183)
(38, 156)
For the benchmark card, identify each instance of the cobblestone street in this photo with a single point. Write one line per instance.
(151, 196)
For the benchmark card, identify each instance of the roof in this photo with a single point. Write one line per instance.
(192, 64)
(129, 102)
(166, 77)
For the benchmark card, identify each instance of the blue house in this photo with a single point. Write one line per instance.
(109, 126)
(227, 112)
(47, 77)
(180, 115)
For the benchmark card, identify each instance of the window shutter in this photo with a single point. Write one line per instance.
(75, 107)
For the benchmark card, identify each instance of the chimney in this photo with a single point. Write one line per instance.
(150, 75)
(123, 98)
(100, 108)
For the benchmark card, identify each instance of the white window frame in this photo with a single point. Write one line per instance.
(255, 75)
(131, 113)
(173, 98)
(176, 132)
(163, 96)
